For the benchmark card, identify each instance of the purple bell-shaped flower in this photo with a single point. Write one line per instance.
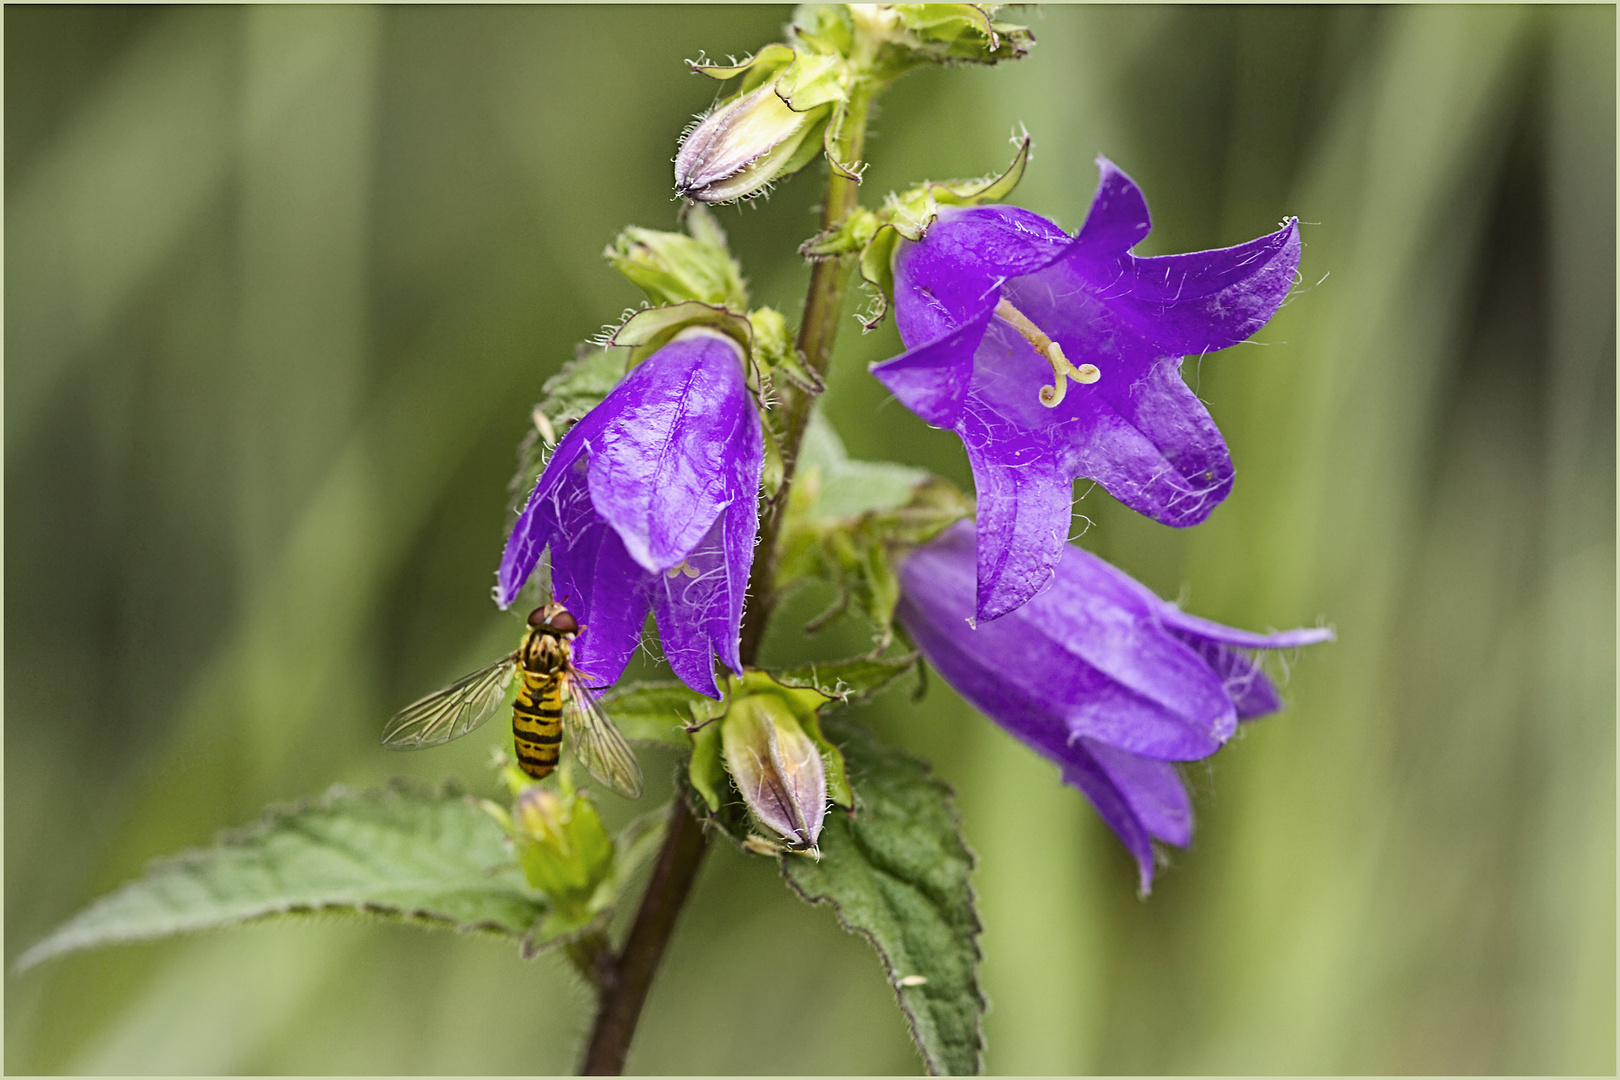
(1099, 675)
(1055, 357)
(652, 501)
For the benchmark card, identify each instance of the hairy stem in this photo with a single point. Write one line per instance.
(626, 981)
(818, 330)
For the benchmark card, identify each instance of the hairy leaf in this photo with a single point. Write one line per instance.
(399, 853)
(896, 872)
(581, 385)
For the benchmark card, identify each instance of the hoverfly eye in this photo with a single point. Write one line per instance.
(537, 618)
(564, 623)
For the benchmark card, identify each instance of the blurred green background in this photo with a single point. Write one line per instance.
(281, 284)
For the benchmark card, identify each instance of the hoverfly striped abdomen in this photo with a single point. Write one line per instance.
(537, 723)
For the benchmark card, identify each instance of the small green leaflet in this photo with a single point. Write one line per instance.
(846, 519)
(581, 385)
(844, 487)
(896, 872)
(849, 681)
(400, 853)
(658, 711)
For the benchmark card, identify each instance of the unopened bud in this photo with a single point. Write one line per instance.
(564, 851)
(745, 145)
(672, 268)
(777, 767)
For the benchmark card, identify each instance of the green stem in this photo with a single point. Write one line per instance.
(818, 330)
(625, 982)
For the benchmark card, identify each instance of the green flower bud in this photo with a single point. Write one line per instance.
(672, 268)
(746, 144)
(561, 845)
(777, 767)
(902, 35)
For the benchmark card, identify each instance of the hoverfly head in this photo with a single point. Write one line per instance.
(554, 619)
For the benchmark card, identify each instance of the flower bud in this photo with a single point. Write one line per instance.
(777, 767)
(672, 268)
(745, 145)
(561, 845)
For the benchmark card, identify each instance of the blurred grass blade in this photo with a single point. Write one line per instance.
(397, 854)
(116, 193)
(897, 874)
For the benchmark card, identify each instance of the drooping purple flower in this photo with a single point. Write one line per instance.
(652, 501)
(1001, 311)
(1099, 675)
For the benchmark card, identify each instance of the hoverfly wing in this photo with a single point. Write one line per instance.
(596, 741)
(453, 711)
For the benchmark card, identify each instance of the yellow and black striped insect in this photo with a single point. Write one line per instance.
(552, 699)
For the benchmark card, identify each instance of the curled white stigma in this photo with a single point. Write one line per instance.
(1052, 352)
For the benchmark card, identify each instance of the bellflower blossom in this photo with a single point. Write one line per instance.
(1099, 675)
(1001, 311)
(652, 501)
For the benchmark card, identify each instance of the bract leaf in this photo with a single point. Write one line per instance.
(837, 486)
(908, 215)
(650, 329)
(633, 847)
(399, 853)
(988, 189)
(812, 81)
(896, 872)
(707, 771)
(760, 67)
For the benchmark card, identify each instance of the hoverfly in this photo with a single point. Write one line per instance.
(552, 698)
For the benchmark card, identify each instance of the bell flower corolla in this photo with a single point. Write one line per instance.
(1099, 675)
(652, 501)
(1056, 357)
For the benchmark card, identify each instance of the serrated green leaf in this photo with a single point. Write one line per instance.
(568, 395)
(399, 853)
(896, 872)
(581, 385)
